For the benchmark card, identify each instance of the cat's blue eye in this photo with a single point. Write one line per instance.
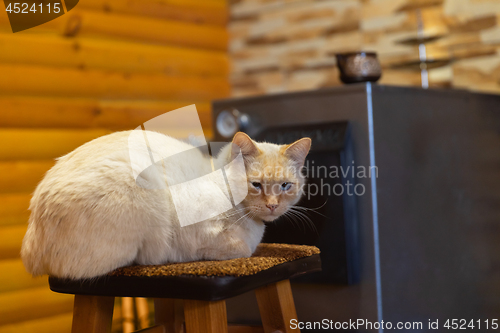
(257, 185)
(286, 186)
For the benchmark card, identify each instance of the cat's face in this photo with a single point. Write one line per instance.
(274, 180)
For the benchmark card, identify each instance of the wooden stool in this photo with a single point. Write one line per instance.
(202, 286)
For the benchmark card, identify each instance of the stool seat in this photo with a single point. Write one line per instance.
(190, 297)
(200, 280)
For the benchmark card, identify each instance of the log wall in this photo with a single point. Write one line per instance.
(106, 65)
(278, 46)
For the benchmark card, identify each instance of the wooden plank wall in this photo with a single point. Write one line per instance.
(278, 46)
(106, 65)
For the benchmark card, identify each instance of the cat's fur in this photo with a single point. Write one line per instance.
(88, 215)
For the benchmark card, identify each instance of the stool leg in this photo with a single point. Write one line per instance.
(142, 312)
(128, 315)
(92, 314)
(205, 316)
(169, 313)
(276, 307)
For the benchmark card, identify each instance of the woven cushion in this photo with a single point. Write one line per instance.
(202, 280)
(265, 257)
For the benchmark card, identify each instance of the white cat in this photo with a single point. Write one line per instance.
(89, 216)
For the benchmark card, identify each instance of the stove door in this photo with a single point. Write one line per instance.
(329, 201)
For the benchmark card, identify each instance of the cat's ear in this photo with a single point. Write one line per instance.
(243, 143)
(298, 150)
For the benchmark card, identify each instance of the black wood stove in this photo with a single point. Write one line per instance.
(416, 237)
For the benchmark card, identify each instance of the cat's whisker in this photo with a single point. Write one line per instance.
(250, 215)
(285, 215)
(296, 220)
(299, 218)
(231, 214)
(292, 219)
(316, 208)
(308, 210)
(304, 215)
(245, 215)
(298, 212)
(235, 211)
(306, 219)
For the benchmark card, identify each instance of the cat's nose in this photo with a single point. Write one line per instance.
(272, 207)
